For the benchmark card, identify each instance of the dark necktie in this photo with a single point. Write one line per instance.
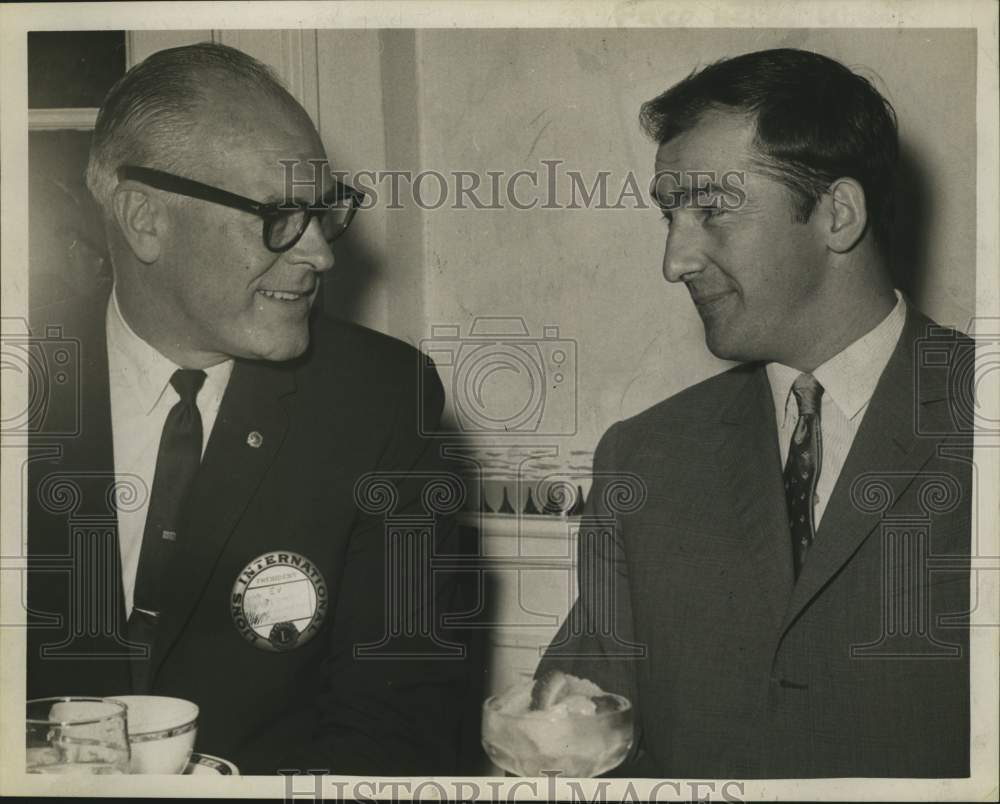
(176, 466)
(805, 459)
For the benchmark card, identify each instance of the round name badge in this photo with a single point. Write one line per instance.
(279, 601)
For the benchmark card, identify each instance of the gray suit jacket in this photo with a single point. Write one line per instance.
(688, 604)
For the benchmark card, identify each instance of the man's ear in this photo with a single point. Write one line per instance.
(142, 219)
(847, 216)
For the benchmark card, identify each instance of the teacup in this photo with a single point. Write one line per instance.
(161, 732)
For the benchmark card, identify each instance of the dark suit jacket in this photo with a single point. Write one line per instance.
(347, 408)
(688, 606)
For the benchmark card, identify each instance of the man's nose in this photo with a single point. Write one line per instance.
(313, 248)
(683, 254)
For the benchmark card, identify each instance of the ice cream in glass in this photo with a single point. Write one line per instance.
(557, 722)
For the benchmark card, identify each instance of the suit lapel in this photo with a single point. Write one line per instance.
(749, 456)
(231, 472)
(887, 444)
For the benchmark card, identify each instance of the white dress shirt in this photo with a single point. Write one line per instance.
(141, 398)
(848, 379)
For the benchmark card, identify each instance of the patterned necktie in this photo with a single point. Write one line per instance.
(176, 466)
(805, 459)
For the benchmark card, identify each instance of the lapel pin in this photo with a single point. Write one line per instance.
(255, 439)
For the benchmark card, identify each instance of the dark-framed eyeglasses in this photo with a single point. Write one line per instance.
(284, 221)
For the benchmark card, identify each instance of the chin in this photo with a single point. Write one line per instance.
(728, 346)
(289, 352)
(719, 346)
(285, 349)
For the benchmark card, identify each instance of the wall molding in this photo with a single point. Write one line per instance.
(82, 119)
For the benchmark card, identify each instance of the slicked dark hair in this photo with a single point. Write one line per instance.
(149, 115)
(816, 121)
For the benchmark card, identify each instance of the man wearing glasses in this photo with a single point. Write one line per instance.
(222, 438)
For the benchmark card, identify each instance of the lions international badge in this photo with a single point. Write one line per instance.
(279, 601)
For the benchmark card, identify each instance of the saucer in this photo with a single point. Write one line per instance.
(204, 764)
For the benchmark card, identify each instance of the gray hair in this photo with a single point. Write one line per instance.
(148, 116)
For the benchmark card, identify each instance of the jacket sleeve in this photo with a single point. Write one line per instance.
(596, 640)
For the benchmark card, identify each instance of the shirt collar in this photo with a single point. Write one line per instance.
(850, 376)
(781, 377)
(135, 364)
(145, 372)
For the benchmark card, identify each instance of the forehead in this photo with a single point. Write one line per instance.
(254, 146)
(718, 142)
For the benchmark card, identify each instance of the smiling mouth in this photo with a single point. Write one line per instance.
(707, 301)
(285, 295)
